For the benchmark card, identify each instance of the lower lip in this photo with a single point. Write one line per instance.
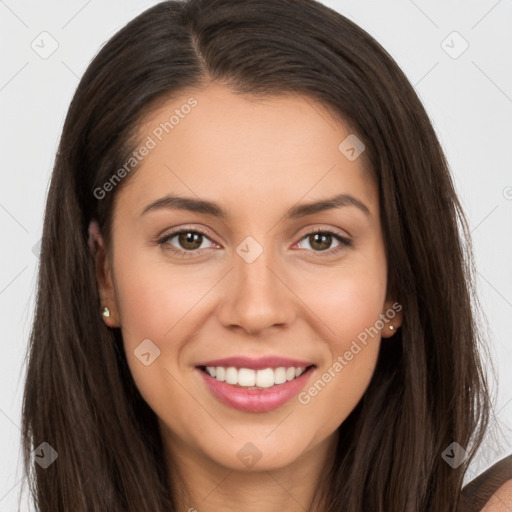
(256, 400)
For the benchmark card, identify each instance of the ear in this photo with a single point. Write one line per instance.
(393, 314)
(104, 279)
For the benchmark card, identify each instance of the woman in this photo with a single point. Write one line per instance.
(253, 293)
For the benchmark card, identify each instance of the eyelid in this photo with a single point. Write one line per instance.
(179, 229)
(323, 229)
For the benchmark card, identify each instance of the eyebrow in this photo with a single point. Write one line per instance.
(210, 208)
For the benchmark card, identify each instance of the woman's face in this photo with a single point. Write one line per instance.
(255, 281)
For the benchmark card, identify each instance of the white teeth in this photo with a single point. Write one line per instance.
(265, 378)
(231, 375)
(279, 375)
(246, 377)
(249, 378)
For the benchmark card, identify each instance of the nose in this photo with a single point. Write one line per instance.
(256, 295)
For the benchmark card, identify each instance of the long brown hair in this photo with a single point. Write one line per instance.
(429, 388)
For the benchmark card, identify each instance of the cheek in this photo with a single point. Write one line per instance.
(352, 309)
(348, 302)
(153, 297)
(348, 310)
(162, 303)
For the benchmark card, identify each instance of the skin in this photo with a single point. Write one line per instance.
(501, 500)
(256, 159)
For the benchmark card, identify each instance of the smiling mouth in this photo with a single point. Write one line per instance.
(248, 378)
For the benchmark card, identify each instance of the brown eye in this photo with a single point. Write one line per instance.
(188, 242)
(321, 241)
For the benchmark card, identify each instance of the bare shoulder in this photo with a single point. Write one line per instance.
(501, 500)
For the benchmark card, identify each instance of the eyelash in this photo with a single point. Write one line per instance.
(344, 242)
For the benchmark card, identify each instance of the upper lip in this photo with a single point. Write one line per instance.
(256, 363)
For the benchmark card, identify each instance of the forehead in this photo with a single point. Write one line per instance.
(216, 143)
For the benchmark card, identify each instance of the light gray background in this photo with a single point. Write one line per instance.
(468, 97)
